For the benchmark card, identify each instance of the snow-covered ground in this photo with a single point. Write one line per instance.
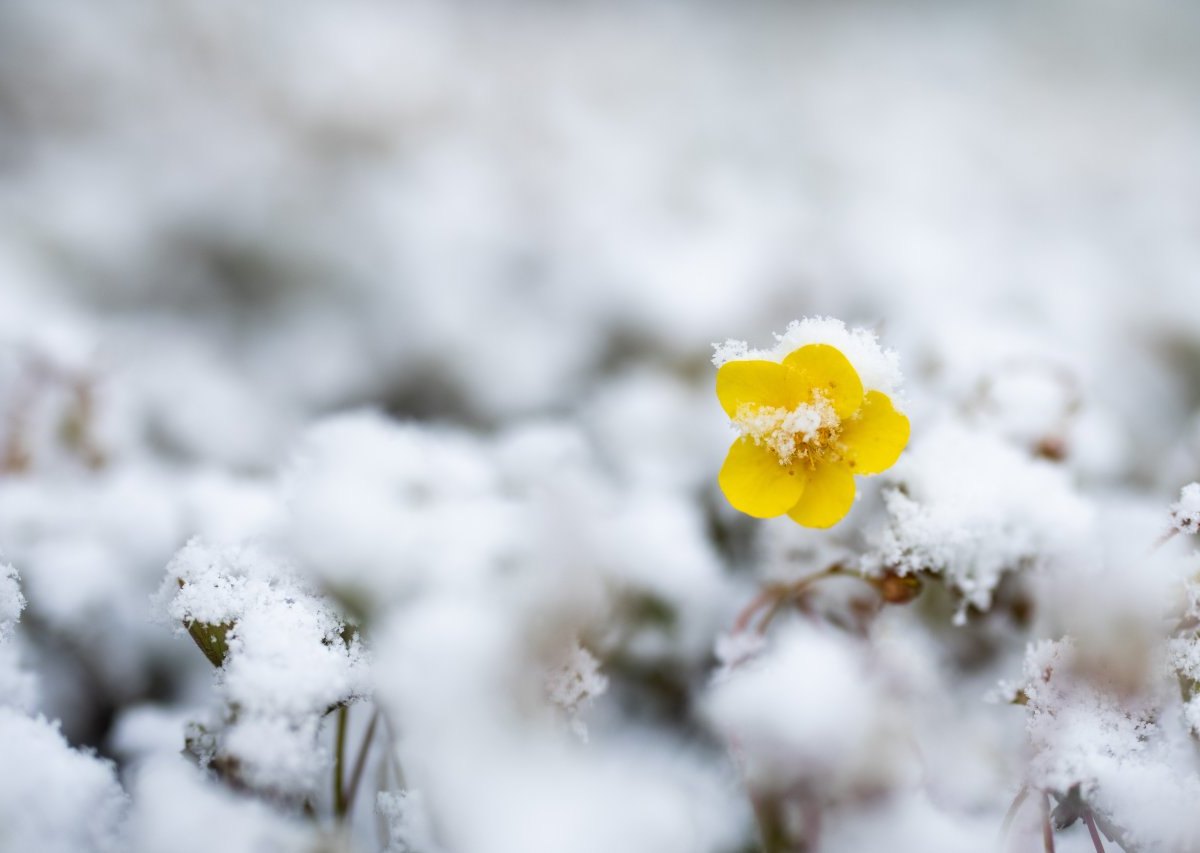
(357, 422)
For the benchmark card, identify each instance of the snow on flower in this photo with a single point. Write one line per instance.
(807, 425)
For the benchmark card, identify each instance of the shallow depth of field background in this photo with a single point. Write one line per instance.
(222, 222)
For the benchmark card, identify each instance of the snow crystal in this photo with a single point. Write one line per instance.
(879, 369)
(527, 794)
(406, 814)
(574, 684)
(809, 712)
(11, 600)
(480, 743)
(55, 799)
(18, 688)
(781, 429)
(177, 808)
(275, 753)
(1185, 513)
(377, 509)
(656, 429)
(1120, 742)
(380, 512)
(146, 731)
(970, 507)
(90, 548)
(1029, 403)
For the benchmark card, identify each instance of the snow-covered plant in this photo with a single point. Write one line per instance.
(285, 658)
(369, 483)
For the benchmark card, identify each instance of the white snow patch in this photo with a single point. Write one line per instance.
(878, 368)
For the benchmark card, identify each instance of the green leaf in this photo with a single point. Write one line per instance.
(212, 639)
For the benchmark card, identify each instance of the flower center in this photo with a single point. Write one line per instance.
(804, 433)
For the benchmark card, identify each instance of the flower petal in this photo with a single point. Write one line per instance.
(822, 368)
(755, 483)
(827, 497)
(873, 440)
(764, 383)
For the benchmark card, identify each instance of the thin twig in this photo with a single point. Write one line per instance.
(1163, 540)
(339, 793)
(1047, 827)
(361, 761)
(1011, 814)
(389, 752)
(776, 596)
(1091, 825)
(757, 603)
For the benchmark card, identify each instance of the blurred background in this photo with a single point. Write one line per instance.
(220, 221)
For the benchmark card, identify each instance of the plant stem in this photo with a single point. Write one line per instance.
(770, 825)
(339, 794)
(1047, 829)
(1091, 825)
(389, 753)
(1163, 540)
(774, 597)
(361, 761)
(1012, 813)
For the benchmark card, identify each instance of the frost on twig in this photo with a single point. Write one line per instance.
(574, 684)
(1185, 512)
(17, 687)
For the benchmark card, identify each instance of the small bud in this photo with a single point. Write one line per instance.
(899, 589)
(1051, 447)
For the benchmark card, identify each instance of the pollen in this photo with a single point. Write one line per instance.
(804, 432)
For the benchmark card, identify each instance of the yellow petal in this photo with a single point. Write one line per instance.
(872, 441)
(756, 484)
(827, 497)
(763, 383)
(822, 368)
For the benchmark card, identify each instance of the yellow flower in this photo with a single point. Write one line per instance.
(806, 429)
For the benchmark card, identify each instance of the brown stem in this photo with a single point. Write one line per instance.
(759, 601)
(775, 596)
(1091, 825)
(1047, 828)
